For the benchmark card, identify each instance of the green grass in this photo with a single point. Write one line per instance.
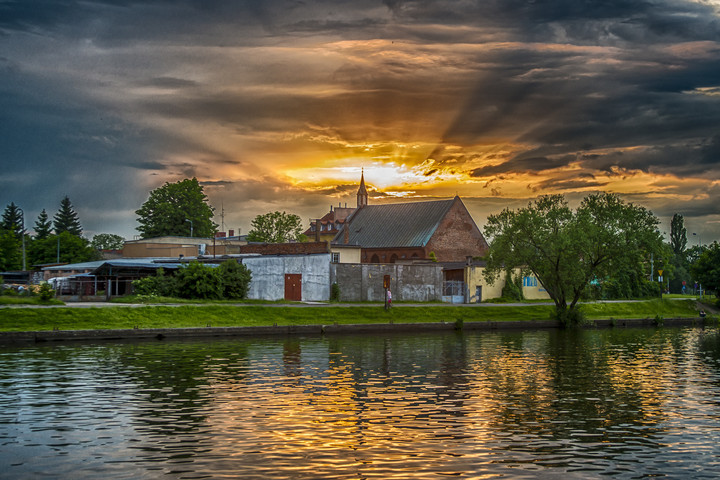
(122, 317)
(153, 300)
(22, 300)
(645, 309)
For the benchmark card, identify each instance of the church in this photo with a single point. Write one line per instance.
(439, 230)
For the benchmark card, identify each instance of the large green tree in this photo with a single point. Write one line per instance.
(276, 227)
(43, 226)
(678, 234)
(71, 249)
(565, 249)
(706, 269)
(66, 219)
(107, 241)
(179, 208)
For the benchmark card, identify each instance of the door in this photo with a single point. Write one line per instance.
(293, 287)
(478, 294)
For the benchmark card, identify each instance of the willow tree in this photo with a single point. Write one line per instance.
(565, 249)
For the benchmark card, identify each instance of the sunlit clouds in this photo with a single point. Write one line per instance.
(280, 105)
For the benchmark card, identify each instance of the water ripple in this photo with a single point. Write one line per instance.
(623, 403)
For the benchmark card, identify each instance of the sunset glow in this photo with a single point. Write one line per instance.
(280, 106)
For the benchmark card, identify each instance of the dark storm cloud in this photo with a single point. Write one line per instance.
(522, 165)
(119, 90)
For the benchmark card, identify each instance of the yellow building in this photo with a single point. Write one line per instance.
(479, 289)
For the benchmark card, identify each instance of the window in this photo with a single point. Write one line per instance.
(335, 258)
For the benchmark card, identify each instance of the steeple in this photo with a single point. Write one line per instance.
(362, 194)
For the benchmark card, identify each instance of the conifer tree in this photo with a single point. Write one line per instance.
(43, 226)
(12, 220)
(66, 219)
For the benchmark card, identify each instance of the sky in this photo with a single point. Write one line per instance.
(279, 105)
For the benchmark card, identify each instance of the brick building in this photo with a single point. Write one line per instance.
(413, 231)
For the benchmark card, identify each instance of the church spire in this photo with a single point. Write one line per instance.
(362, 194)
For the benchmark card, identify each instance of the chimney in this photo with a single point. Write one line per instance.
(346, 234)
(317, 230)
(231, 233)
(331, 208)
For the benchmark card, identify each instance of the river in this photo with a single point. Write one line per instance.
(621, 403)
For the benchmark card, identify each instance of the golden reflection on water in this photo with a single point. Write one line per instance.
(619, 403)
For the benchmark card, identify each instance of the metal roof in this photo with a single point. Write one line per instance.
(154, 262)
(395, 225)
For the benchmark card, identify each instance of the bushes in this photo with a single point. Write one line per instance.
(334, 292)
(230, 280)
(235, 279)
(513, 287)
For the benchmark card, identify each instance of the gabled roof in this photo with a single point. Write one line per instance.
(395, 225)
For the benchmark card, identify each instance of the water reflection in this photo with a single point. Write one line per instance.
(627, 403)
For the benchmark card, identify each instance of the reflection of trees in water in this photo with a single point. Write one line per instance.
(579, 387)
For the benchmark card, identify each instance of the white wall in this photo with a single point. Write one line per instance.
(268, 276)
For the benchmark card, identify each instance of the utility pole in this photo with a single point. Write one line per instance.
(22, 233)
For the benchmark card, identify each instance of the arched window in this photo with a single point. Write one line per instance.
(375, 259)
(393, 258)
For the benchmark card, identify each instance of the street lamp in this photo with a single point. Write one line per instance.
(191, 226)
(22, 221)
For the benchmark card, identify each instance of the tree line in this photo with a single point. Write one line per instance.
(56, 240)
(173, 209)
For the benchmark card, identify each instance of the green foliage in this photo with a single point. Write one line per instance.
(230, 280)
(706, 269)
(432, 257)
(12, 220)
(107, 241)
(169, 208)
(569, 317)
(66, 219)
(678, 234)
(235, 279)
(275, 227)
(566, 250)
(512, 290)
(199, 281)
(73, 249)
(45, 292)
(159, 285)
(334, 292)
(10, 254)
(43, 226)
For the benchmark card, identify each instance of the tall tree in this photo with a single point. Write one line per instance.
(706, 269)
(12, 220)
(678, 234)
(179, 208)
(107, 241)
(276, 227)
(10, 256)
(66, 219)
(43, 226)
(566, 250)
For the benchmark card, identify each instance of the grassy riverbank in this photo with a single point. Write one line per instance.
(105, 318)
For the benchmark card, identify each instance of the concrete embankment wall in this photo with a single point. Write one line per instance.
(178, 333)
